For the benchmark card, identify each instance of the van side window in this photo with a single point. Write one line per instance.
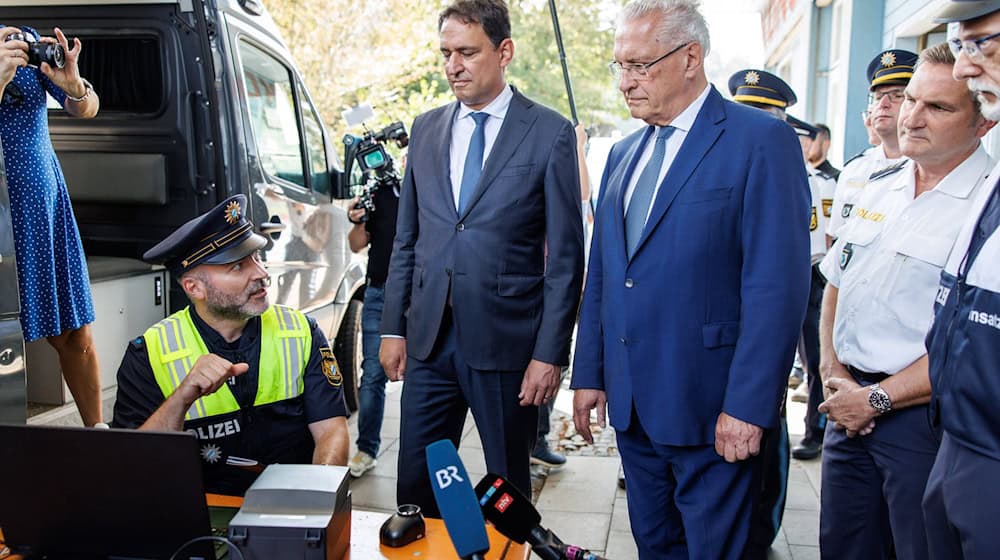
(271, 105)
(319, 168)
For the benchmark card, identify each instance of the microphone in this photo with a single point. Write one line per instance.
(456, 500)
(512, 514)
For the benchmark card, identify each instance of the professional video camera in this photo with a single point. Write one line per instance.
(40, 51)
(374, 162)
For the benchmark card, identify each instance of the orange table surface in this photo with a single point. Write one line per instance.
(435, 545)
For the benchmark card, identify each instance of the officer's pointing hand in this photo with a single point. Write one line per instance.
(207, 375)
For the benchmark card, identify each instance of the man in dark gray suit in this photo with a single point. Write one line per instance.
(487, 264)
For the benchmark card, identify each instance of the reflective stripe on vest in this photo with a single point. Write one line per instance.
(174, 346)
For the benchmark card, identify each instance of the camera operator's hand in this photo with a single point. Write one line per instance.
(357, 213)
(68, 77)
(13, 54)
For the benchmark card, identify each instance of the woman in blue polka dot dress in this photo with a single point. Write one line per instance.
(52, 272)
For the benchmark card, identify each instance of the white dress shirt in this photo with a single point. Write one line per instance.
(461, 134)
(888, 260)
(851, 183)
(683, 123)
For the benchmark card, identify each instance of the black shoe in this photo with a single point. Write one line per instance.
(807, 450)
(542, 455)
(621, 481)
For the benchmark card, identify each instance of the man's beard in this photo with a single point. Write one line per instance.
(237, 307)
(989, 110)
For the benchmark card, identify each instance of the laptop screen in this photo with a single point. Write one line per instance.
(84, 493)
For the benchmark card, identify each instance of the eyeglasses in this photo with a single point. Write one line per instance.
(12, 95)
(894, 95)
(973, 48)
(640, 71)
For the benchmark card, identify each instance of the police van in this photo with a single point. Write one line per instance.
(200, 100)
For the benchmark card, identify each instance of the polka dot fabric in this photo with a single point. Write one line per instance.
(51, 267)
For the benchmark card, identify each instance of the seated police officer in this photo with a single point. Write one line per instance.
(256, 383)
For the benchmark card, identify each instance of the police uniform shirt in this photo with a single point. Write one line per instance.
(274, 433)
(852, 181)
(822, 187)
(965, 339)
(887, 263)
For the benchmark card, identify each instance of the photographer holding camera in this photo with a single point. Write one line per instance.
(374, 218)
(53, 283)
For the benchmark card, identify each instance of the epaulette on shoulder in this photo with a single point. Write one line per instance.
(825, 175)
(854, 157)
(885, 172)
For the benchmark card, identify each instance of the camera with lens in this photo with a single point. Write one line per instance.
(374, 162)
(40, 51)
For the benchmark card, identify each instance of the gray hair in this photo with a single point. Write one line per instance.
(679, 19)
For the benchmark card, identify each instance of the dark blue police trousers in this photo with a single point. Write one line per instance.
(437, 394)
(872, 488)
(962, 504)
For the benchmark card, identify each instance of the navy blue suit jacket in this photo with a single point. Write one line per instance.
(510, 303)
(705, 316)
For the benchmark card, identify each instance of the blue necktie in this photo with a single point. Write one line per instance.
(642, 195)
(473, 161)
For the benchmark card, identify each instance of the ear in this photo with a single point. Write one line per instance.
(983, 126)
(193, 287)
(506, 49)
(694, 59)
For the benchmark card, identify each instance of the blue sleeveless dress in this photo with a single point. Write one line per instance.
(52, 272)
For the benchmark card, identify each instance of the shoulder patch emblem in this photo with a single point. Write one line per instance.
(330, 368)
(845, 256)
(827, 205)
(813, 220)
(845, 212)
(885, 172)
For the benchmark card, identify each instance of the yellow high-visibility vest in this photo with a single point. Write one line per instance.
(174, 346)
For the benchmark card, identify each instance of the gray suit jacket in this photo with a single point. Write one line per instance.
(511, 302)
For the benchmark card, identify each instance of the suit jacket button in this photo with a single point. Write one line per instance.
(629, 283)
(460, 227)
(623, 341)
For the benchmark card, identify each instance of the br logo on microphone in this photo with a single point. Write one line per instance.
(447, 475)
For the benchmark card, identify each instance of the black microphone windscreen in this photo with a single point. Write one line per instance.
(507, 508)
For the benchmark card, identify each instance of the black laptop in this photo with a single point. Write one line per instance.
(102, 494)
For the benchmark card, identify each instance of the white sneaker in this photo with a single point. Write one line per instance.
(361, 463)
(801, 393)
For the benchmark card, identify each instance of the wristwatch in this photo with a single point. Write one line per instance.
(86, 92)
(879, 399)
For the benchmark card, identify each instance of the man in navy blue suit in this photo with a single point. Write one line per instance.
(696, 291)
(476, 315)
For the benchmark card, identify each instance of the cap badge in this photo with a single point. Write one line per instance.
(233, 212)
(752, 78)
(888, 59)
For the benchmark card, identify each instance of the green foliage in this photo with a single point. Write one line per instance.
(386, 53)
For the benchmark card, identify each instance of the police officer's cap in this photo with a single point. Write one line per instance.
(802, 128)
(757, 87)
(220, 236)
(964, 10)
(891, 67)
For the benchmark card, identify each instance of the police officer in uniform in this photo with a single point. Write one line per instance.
(256, 383)
(765, 91)
(962, 501)
(888, 74)
(883, 273)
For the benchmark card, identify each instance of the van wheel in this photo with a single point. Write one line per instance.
(349, 353)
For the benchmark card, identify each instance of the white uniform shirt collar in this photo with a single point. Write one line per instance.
(958, 183)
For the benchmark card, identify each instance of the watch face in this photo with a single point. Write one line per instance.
(879, 400)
